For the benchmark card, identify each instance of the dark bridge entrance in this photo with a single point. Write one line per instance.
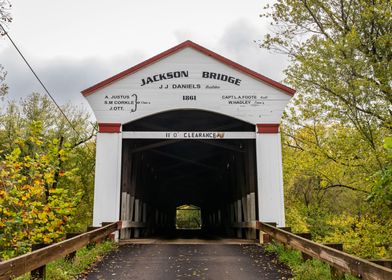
(201, 167)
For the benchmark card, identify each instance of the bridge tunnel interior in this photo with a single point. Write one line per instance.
(217, 175)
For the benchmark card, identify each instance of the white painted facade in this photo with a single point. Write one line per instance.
(149, 88)
(270, 178)
(107, 183)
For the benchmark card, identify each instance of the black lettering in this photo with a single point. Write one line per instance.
(221, 77)
(164, 76)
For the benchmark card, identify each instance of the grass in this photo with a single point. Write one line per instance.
(85, 257)
(309, 270)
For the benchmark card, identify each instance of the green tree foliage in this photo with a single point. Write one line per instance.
(35, 204)
(382, 191)
(34, 136)
(337, 172)
(188, 217)
(341, 53)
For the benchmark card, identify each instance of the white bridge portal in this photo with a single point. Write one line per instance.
(188, 126)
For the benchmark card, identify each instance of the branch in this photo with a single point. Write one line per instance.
(318, 23)
(345, 187)
(93, 133)
(348, 103)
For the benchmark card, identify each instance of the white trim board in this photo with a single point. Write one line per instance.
(216, 135)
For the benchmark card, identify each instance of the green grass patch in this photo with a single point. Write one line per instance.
(309, 270)
(85, 257)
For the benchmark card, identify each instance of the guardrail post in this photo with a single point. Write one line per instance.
(288, 229)
(335, 273)
(71, 256)
(110, 236)
(40, 272)
(306, 235)
(265, 237)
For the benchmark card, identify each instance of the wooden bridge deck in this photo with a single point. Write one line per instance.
(189, 261)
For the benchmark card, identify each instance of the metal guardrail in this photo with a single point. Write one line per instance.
(340, 260)
(36, 259)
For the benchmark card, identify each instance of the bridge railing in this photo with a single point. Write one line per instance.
(28, 262)
(335, 258)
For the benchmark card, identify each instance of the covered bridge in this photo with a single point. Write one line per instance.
(188, 126)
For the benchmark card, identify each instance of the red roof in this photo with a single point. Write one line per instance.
(199, 48)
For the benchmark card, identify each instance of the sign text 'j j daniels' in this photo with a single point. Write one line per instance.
(185, 74)
(188, 85)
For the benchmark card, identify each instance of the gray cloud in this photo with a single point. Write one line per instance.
(64, 78)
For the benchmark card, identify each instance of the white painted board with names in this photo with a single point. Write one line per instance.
(188, 79)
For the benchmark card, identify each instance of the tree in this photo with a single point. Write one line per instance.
(36, 205)
(341, 52)
(34, 131)
(330, 191)
(334, 161)
(5, 18)
(341, 55)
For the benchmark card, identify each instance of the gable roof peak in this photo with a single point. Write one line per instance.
(203, 50)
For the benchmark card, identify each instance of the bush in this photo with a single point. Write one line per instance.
(309, 270)
(85, 258)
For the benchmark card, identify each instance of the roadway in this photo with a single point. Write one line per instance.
(178, 260)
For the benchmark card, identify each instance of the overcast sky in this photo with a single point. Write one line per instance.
(74, 44)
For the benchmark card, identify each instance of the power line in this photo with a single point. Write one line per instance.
(39, 80)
